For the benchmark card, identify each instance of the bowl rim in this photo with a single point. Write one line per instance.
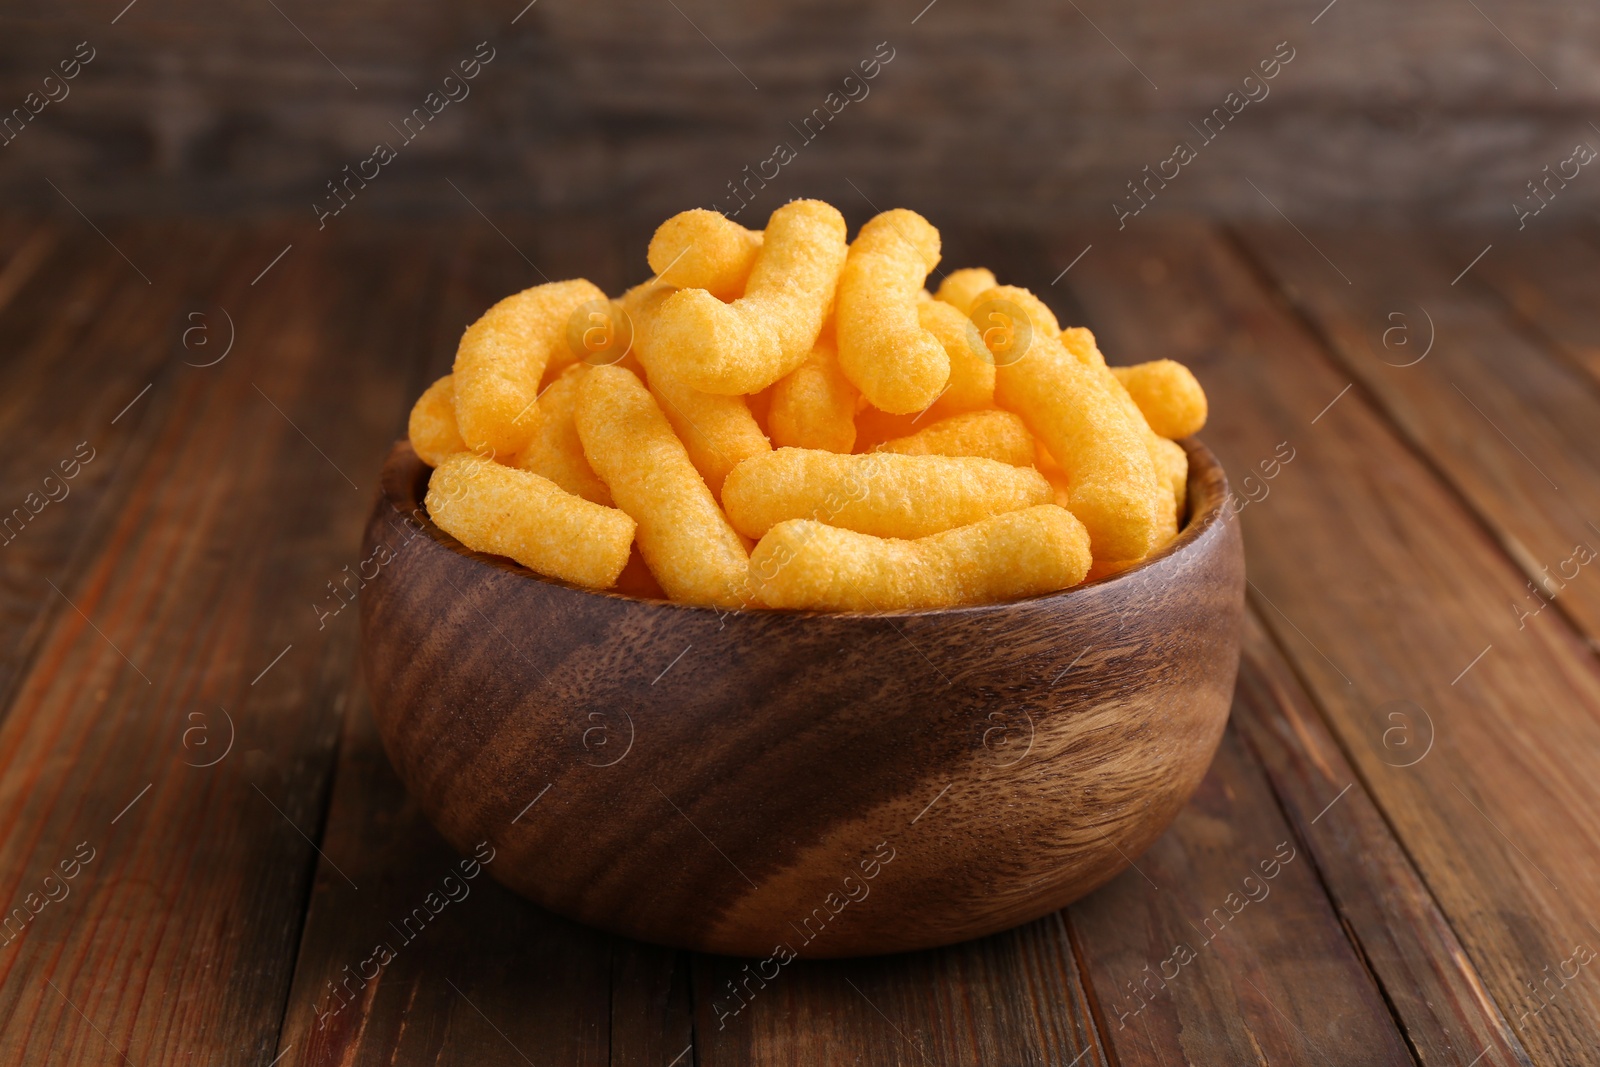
(1207, 500)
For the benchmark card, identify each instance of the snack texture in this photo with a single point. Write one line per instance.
(684, 537)
(432, 426)
(970, 386)
(997, 435)
(961, 287)
(1081, 343)
(1168, 394)
(502, 358)
(881, 447)
(883, 349)
(744, 346)
(1021, 553)
(700, 249)
(1110, 479)
(881, 493)
(555, 451)
(490, 507)
(719, 432)
(814, 405)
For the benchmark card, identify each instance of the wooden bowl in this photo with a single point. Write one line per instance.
(770, 784)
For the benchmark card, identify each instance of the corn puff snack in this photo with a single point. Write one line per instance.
(1172, 463)
(1100, 568)
(747, 345)
(1079, 340)
(719, 432)
(640, 303)
(493, 508)
(432, 426)
(970, 386)
(1168, 394)
(638, 307)
(501, 360)
(814, 405)
(880, 493)
(700, 249)
(807, 565)
(1111, 481)
(890, 448)
(883, 349)
(598, 333)
(996, 435)
(1053, 474)
(961, 287)
(555, 451)
(1171, 469)
(1160, 459)
(684, 537)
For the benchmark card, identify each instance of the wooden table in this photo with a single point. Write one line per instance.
(205, 838)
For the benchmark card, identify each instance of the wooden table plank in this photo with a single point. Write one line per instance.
(1380, 586)
(430, 961)
(1404, 938)
(1548, 279)
(1014, 998)
(71, 312)
(1220, 944)
(177, 940)
(1511, 425)
(652, 1014)
(24, 246)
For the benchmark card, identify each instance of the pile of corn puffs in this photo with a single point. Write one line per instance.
(787, 419)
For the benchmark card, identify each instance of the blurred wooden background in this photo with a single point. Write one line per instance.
(1002, 111)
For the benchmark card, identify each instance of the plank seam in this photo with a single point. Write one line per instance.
(314, 860)
(1528, 327)
(1330, 353)
(1275, 293)
(1091, 997)
(1302, 834)
(1315, 704)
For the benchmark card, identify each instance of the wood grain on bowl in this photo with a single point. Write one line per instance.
(758, 782)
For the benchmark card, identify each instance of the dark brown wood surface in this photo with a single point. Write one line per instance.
(1201, 947)
(1433, 799)
(1021, 109)
(1407, 942)
(1469, 386)
(1547, 282)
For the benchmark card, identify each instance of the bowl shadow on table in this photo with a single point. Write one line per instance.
(803, 783)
